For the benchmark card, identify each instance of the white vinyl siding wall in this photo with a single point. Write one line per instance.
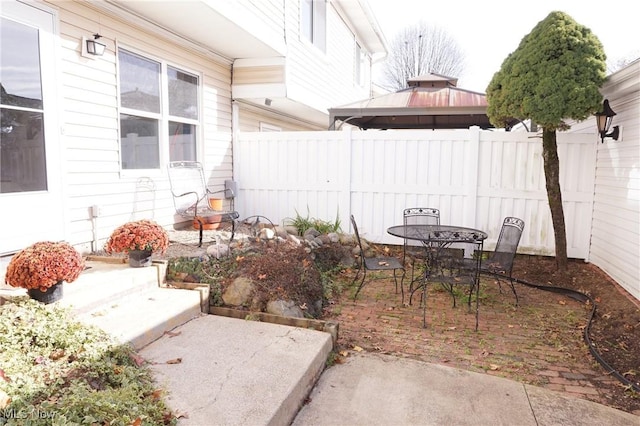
(250, 118)
(615, 230)
(90, 135)
(321, 79)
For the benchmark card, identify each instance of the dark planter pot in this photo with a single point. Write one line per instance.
(53, 293)
(139, 258)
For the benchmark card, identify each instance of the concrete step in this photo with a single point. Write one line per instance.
(144, 317)
(103, 283)
(127, 302)
(227, 371)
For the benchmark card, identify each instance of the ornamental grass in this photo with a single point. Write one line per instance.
(43, 265)
(138, 235)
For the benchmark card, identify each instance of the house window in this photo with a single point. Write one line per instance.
(314, 22)
(159, 113)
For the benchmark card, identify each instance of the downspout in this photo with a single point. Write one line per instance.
(235, 130)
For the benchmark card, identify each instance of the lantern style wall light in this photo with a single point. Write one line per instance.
(94, 47)
(604, 119)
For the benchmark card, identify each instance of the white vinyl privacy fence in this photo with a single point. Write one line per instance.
(474, 177)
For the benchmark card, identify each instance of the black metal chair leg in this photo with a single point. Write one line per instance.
(364, 275)
(200, 227)
(513, 289)
(233, 233)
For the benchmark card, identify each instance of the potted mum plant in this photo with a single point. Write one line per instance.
(138, 239)
(43, 267)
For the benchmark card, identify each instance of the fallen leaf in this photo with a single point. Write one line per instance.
(137, 422)
(357, 349)
(174, 361)
(137, 359)
(172, 333)
(262, 276)
(157, 394)
(181, 414)
(510, 326)
(3, 376)
(57, 354)
(344, 353)
(5, 400)
(383, 263)
(494, 367)
(562, 302)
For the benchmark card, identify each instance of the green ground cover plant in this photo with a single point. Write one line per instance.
(57, 371)
(302, 224)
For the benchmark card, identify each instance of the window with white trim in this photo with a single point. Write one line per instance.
(159, 112)
(313, 22)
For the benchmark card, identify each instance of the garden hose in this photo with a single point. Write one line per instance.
(584, 298)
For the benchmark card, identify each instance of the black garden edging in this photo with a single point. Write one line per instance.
(581, 297)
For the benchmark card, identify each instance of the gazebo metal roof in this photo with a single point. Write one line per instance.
(431, 101)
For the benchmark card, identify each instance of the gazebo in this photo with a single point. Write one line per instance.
(431, 101)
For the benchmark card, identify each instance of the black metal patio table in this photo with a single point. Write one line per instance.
(453, 257)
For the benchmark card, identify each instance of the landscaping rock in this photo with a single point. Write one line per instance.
(239, 292)
(286, 308)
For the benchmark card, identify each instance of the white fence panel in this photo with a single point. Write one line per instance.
(283, 174)
(474, 177)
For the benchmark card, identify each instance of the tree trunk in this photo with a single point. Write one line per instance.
(552, 176)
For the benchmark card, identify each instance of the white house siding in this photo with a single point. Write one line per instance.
(269, 12)
(474, 177)
(615, 241)
(90, 132)
(318, 78)
(250, 118)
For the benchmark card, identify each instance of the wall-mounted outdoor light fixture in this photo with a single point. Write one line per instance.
(604, 119)
(94, 47)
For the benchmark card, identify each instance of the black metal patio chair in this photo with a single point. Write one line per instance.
(414, 250)
(379, 263)
(194, 200)
(500, 262)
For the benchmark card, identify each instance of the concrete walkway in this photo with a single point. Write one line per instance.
(373, 389)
